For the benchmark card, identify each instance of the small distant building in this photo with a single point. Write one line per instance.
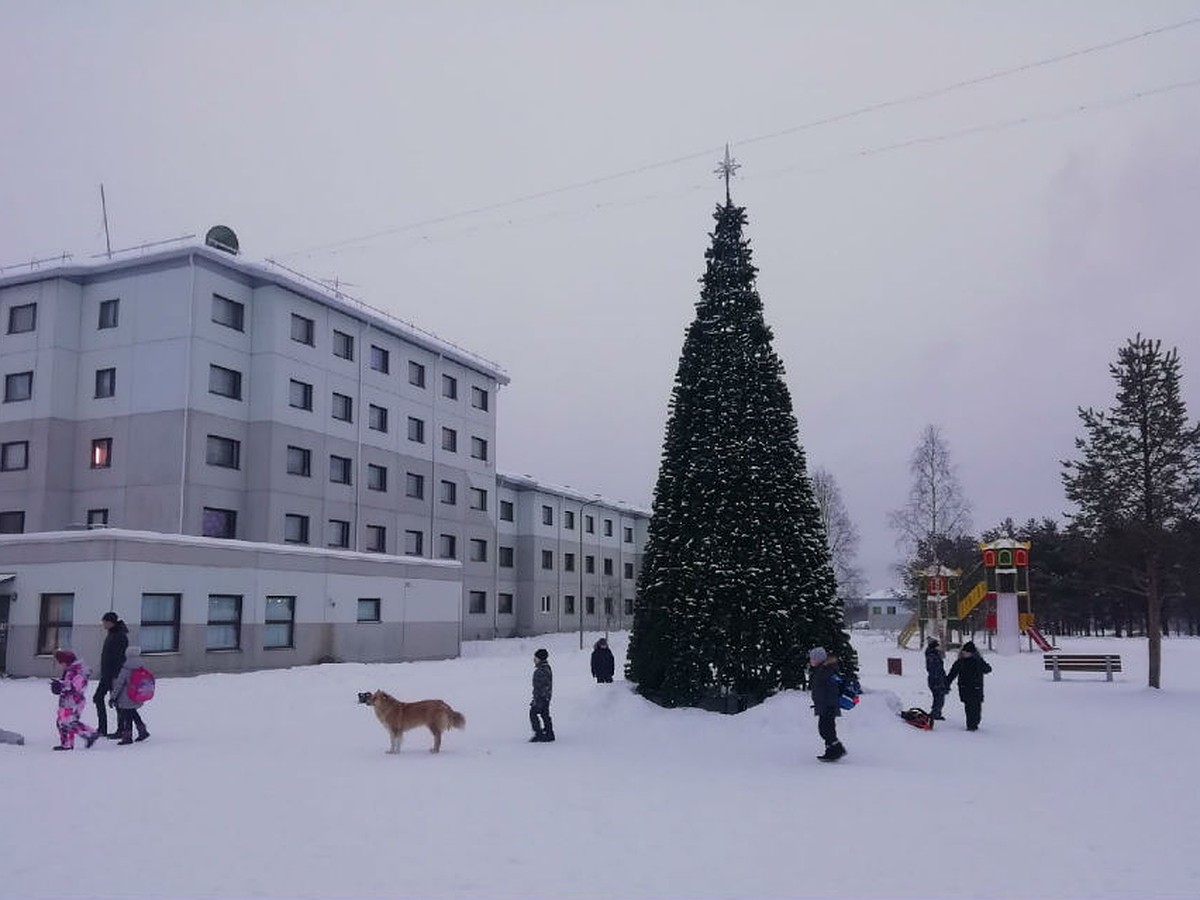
(888, 609)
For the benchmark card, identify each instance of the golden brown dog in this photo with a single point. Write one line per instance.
(398, 717)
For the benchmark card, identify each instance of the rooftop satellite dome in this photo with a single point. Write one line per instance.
(221, 237)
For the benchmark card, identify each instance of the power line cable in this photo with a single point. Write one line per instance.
(868, 109)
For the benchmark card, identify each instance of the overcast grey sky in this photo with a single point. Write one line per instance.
(980, 281)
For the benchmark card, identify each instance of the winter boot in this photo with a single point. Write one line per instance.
(538, 738)
(91, 739)
(828, 754)
(142, 736)
(837, 751)
(548, 736)
(126, 738)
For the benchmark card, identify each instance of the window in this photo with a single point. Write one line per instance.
(478, 550)
(449, 493)
(376, 477)
(629, 606)
(628, 535)
(876, 610)
(629, 570)
(545, 605)
(447, 546)
(376, 539)
(343, 408)
(569, 605)
(449, 387)
(225, 382)
(479, 398)
(22, 318)
(589, 564)
(608, 532)
(504, 604)
(97, 517)
(218, 523)
(506, 557)
(368, 609)
(343, 345)
(608, 565)
(109, 314)
(339, 469)
(299, 461)
(295, 529)
(414, 543)
(18, 386)
(589, 524)
(569, 519)
(54, 622)
(224, 622)
(891, 610)
(303, 330)
(476, 602)
(299, 394)
(416, 430)
(337, 533)
(608, 606)
(416, 374)
(279, 621)
(589, 606)
(228, 312)
(506, 511)
(101, 457)
(568, 562)
(547, 515)
(378, 359)
(479, 448)
(14, 456)
(12, 522)
(160, 623)
(547, 559)
(479, 499)
(106, 382)
(224, 452)
(414, 485)
(450, 440)
(376, 418)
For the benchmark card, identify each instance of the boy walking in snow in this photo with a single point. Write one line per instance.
(969, 669)
(127, 708)
(539, 707)
(825, 688)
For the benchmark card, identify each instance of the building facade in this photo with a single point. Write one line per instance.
(191, 392)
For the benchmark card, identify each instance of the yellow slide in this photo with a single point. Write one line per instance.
(969, 602)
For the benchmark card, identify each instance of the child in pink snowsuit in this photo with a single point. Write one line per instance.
(70, 689)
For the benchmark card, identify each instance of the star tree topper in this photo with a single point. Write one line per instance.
(726, 169)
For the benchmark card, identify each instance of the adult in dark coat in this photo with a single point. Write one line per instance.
(935, 668)
(825, 688)
(969, 669)
(112, 657)
(603, 664)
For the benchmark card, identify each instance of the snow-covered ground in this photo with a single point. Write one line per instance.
(276, 784)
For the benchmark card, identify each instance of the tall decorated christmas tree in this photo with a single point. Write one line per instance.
(736, 582)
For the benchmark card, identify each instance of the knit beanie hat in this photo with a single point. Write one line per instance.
(817, 655)
(541, 654)
(64, 657)
(110, 617)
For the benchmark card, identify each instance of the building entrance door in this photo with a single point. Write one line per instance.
(5, 600)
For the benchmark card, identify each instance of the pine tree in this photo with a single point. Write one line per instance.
(736, 582)
(1137, 483)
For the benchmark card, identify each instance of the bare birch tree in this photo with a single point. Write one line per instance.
(840, 531)
(937, 509)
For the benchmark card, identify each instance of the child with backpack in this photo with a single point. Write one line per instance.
(132, 687)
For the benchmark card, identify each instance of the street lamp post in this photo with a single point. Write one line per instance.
(579, 563)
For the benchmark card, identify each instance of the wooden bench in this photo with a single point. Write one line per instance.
(1082, 662)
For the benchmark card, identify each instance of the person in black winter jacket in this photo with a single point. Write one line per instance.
(969, 669)
(112, 657)
(935, 667)
(825, 687)
(539, 706)
(603, 664)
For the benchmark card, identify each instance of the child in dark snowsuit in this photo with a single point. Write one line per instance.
(825, 687)
(969, 669)
(127, 708)
(603, 664)
(539, 706)
(935, 666)
(70, 688)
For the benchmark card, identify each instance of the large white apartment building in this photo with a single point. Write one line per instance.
(189, 392)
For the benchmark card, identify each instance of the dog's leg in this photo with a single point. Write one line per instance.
(395, 748)
(437, 740)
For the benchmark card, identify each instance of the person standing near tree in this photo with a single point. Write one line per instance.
(112, 657)
(969, 669)
(935, 667)
(825, 686)
(603, 664)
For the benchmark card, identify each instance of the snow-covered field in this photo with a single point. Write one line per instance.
(276, 784)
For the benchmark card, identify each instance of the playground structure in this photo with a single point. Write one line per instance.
(994, 597)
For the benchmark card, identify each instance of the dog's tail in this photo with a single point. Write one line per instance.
(457, 719)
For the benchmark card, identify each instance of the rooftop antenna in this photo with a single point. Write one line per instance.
(104, 213)
(726, 169)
